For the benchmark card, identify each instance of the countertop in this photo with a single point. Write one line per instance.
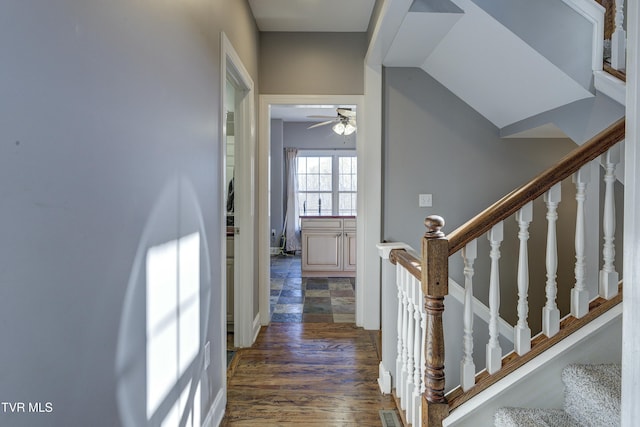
(326, 216)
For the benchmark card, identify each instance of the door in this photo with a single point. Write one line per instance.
(239, 139)
(230, 192)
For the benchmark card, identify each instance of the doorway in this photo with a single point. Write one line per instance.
(238, 169)
(266, 188)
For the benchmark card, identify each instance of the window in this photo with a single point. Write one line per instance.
(327, 183)
(347, 187)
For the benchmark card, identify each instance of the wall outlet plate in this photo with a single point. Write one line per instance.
(425, 200)
(207, 354)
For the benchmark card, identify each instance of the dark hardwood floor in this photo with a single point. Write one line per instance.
(307, 374)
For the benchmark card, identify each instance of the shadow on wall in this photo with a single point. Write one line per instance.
(159, 361)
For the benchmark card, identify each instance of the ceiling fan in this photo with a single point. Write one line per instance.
(345, 121)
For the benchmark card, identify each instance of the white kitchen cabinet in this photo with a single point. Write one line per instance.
(328, 246)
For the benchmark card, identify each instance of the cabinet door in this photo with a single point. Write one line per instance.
(230, 291)
(322, 250)
(230, 280)
(349, 251)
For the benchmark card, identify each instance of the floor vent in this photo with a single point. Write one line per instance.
(389, 418)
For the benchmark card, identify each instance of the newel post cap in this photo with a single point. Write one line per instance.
(434, 224)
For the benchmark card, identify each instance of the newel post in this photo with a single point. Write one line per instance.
(435, 286)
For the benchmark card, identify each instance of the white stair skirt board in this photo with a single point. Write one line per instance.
(597, 342)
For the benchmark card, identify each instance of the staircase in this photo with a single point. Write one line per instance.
(591, 398)
(585, 327)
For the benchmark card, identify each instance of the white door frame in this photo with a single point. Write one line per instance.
(368, 218)
(631, 285)
(244, 217)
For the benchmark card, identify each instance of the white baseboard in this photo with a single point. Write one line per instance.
(255, 327)
(384, 379)
(216, 411)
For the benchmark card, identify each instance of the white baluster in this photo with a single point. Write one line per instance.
(550, 312)
(619, 39)
(407, 323)
(608, 275)
(423, 355)
(417, 350)
(398, 378)
(402, 373)
(494, 352)
(408, 386)
(522, 333)
(467, 367)
(579, 294)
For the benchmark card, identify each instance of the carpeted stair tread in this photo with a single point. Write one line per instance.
(526, 417)
(591, 399)
(592, 394)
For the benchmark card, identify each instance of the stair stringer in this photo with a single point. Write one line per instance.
(538, 384)
(580, 120)
(454, 334)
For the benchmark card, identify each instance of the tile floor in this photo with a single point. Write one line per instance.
(297, 299)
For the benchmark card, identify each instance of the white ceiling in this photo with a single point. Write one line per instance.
(312, 15)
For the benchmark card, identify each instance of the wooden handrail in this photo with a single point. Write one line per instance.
(618, 74)
(408, 261)
(515, 200)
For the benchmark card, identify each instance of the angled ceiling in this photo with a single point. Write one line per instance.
(312, 15)
(482, 62)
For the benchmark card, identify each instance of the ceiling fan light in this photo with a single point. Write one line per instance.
(339, 128)
(349, 129)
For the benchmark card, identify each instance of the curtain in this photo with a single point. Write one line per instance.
(292, 216)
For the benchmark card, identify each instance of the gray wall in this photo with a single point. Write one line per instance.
(435, 143)
(296, 135)
(312, 63)
(108, 111)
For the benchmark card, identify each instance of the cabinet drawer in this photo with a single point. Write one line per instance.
(350, 223)
(322, 223)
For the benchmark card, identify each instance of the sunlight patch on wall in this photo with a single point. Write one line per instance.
(173, 315)
(165, 315)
